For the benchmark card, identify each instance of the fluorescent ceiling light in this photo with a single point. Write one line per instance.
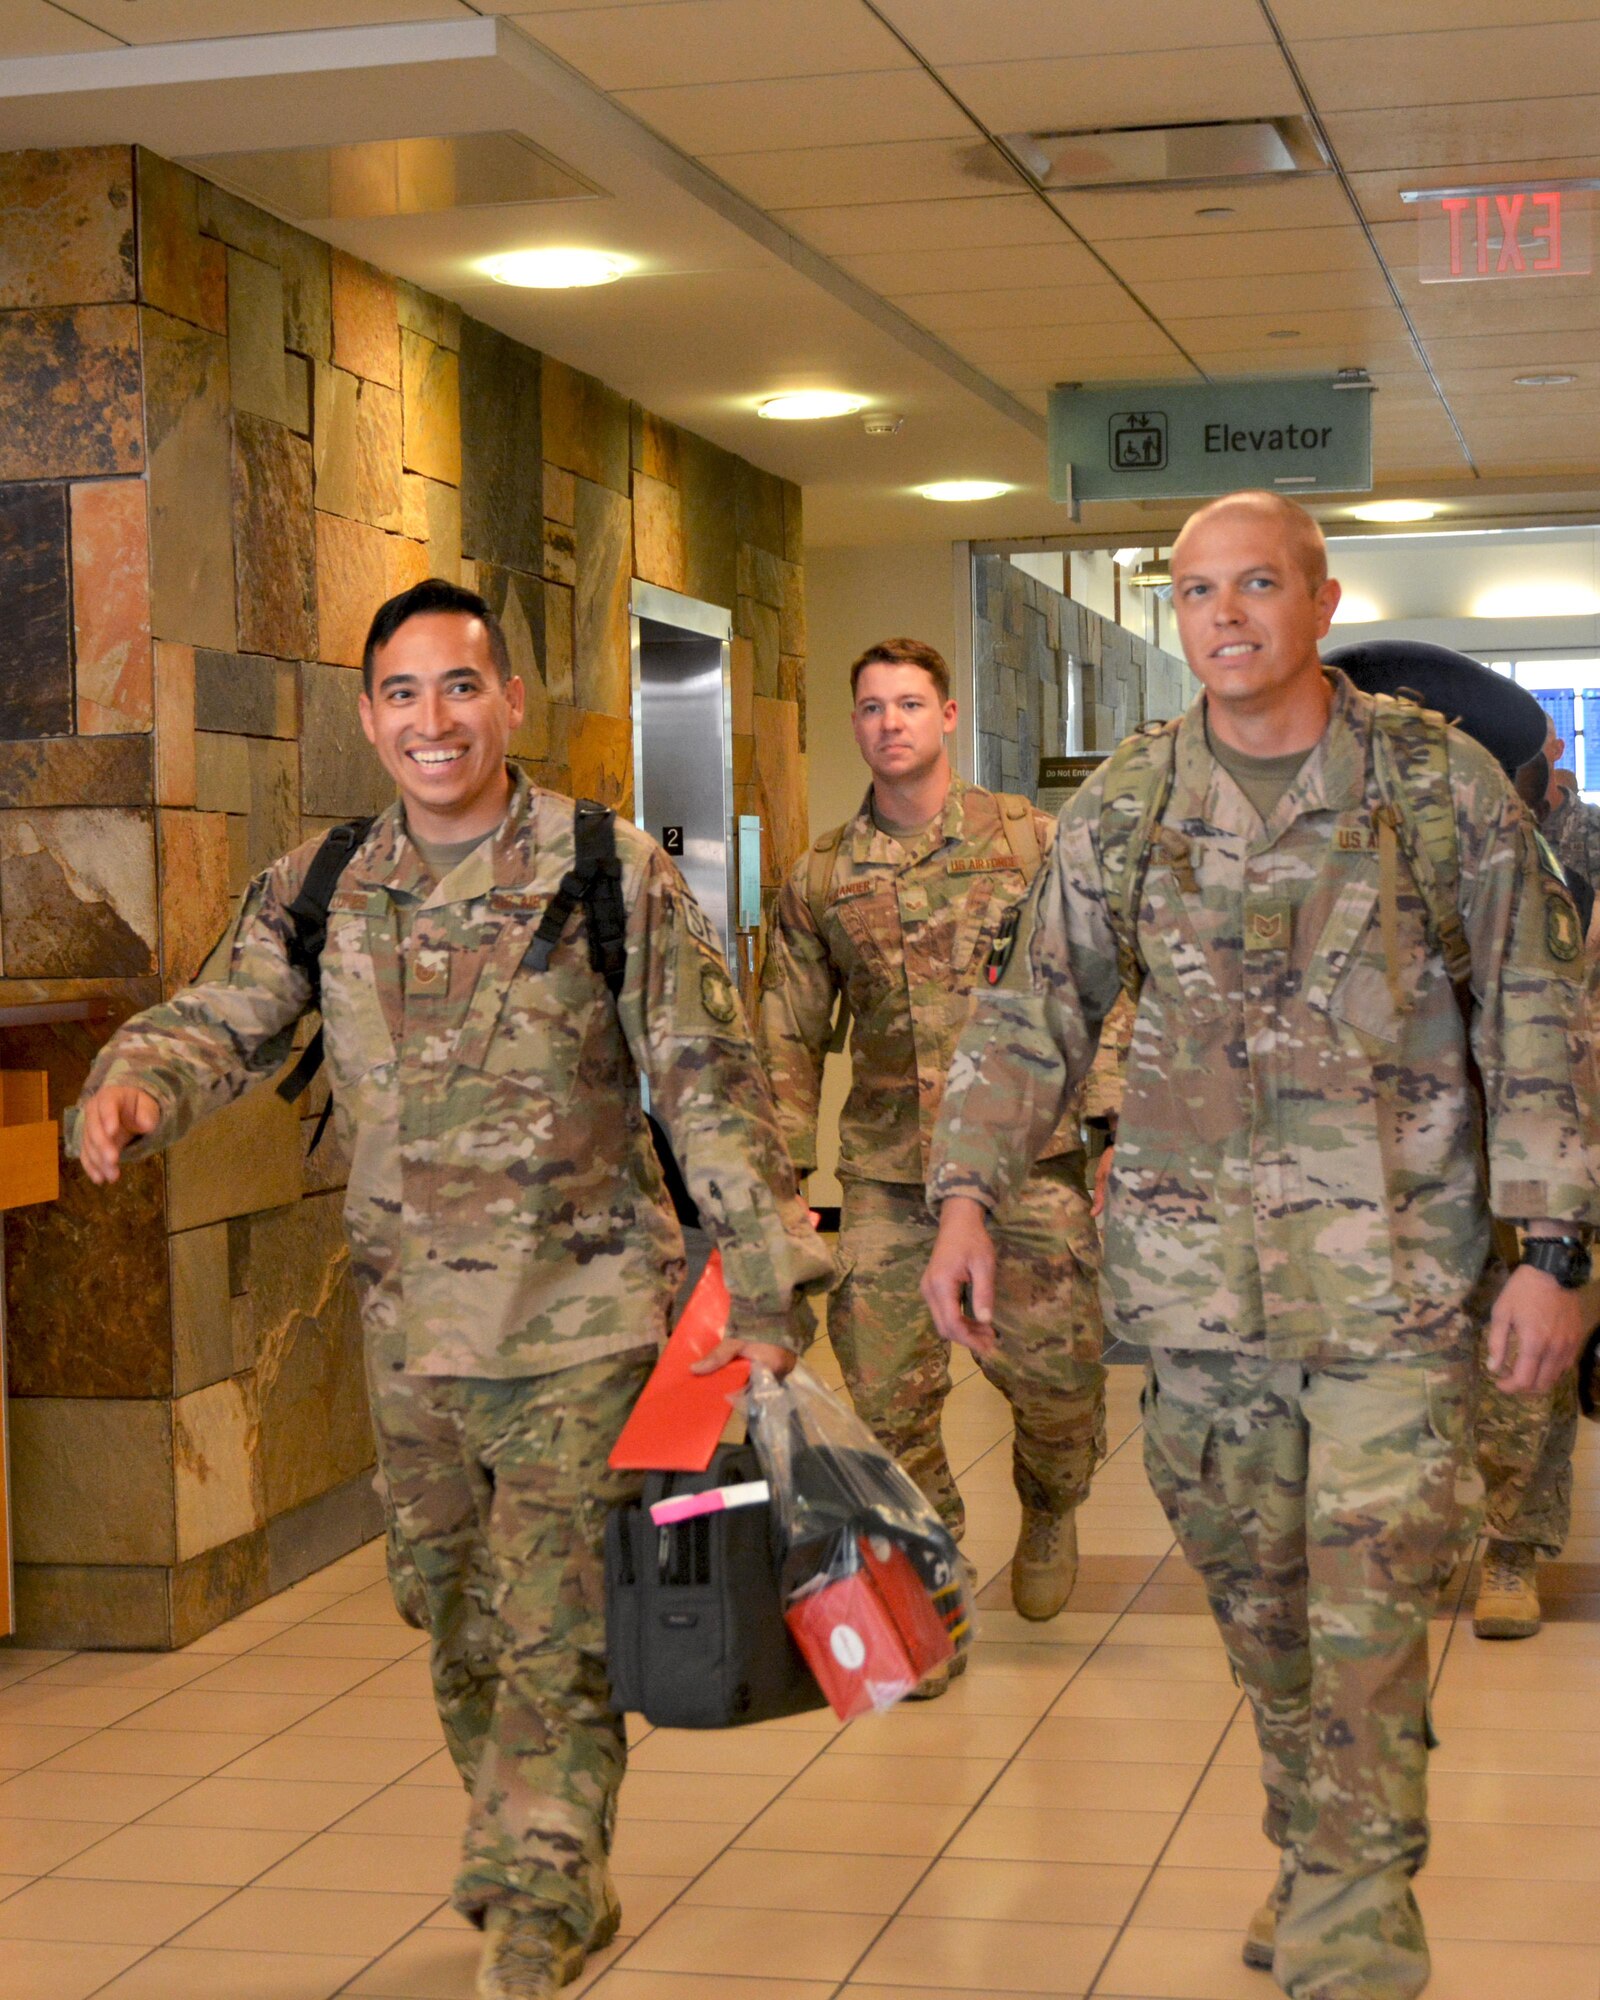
(806, 405)
(964, 489)
(1394, 510)
(555, 270)
(1536, 600)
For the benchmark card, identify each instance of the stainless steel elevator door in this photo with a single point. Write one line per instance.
(683, 742)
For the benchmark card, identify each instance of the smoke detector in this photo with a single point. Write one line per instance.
(883, 424)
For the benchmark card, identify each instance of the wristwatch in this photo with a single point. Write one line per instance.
(1564, 1258)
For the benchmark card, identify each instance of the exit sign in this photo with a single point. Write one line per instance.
(1468, 235)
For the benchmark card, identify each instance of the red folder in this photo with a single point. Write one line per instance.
(677, 1421)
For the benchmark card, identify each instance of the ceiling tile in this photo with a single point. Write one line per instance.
(1258, 253)
(1065, 349)
(801, 111)
(1498, 379)
(1287, 295)
(904, 170)
(718, 41)
(1304, 201)
(1315, 20)
(1082, 92)
(1038, 380)
(1545, 307)
(926, 225)
(1428, 136)
(197, 20)
(1312, 356)
(1007, 266)
(957, 31)
(1468, 66)
(1523, 352)
(1046, 305)
(1215, 334)
(33, 28)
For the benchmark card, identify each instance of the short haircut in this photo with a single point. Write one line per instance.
(904, 653)
(1310, 549)
(433, 594)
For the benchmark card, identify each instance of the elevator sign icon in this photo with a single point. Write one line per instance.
(1138, 440)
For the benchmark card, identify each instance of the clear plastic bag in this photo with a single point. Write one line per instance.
(874, 1589)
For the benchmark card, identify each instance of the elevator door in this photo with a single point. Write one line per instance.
(683, 742)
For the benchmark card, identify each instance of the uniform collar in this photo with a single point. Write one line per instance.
(868, 843)
(1332, 779)
(388, 858)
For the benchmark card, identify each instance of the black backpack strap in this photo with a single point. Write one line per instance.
(309, 915)
(594, 883)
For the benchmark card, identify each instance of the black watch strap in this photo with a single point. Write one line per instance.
(1564, 1258)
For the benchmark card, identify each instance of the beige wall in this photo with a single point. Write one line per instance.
(854, 596)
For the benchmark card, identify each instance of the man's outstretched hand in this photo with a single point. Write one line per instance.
(962, 1262)
(112, 1119)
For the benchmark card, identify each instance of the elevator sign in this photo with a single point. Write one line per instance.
(1468, 235)
(1191, 440)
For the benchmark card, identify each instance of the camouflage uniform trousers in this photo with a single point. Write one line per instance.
(1047, 1314)
(1525, 1446)
(499, 1492)
(1324, 1510)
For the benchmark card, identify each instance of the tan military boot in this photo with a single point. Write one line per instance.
(931, 1686)
(1045, 1566)
(1261, 1936)
(526, 1957)
(1508, 1593)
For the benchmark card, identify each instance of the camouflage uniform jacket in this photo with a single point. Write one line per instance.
(906, 933)
(1300, 1170)
(505, 1208)
(1573, 830)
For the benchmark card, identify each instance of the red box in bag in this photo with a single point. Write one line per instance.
(869, 1637)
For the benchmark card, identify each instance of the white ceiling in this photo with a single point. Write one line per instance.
(813, 194)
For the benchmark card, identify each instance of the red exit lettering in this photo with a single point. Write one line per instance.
(1507, 233)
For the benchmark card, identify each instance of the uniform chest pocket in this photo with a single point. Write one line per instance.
(983, 911)
(538, 1036)
(870, 923)
(357, 1039)
(1173, 948)
(1350, 978)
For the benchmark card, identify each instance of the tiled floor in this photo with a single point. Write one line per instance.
(268, 1816)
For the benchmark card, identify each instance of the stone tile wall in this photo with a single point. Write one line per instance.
(1039, 654)
(222, 444)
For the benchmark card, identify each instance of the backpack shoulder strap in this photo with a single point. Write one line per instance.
(1411, 763)
(594, 882)
(309, 910)
(1021, 834)
(821, 864)
(308, 913)
(1138, 784)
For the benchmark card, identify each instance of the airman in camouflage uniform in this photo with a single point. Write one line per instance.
(1300, 1202)
(900, 921)
(511, 1243)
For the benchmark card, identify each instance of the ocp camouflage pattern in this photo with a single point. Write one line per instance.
(1299, 1171)
(505, 1210)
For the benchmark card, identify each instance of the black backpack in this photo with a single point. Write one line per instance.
(593, 884)
(695, 1632)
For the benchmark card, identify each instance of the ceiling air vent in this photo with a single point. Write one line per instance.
(396, 176)
(1167, 156)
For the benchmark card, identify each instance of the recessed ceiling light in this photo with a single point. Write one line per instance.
(555, 270)
(964, 489)
(1395, 510)
(1542, 381)
(807, 404)
(1283, 333)
(1215, 211)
